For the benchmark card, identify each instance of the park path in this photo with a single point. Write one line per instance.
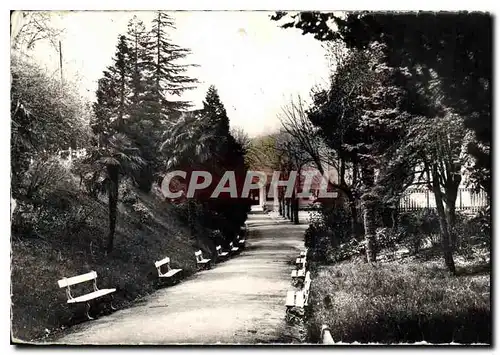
(237, 301)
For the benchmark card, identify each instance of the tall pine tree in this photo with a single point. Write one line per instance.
(166, 76)
(111, 108)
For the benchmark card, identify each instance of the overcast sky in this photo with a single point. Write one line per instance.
(255, 65)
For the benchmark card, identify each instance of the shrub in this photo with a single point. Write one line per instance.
(43, 176)
(51, 203)
(387, 238)
(145, 215)
(473, 229)
(126, 195)
(328, 229)
(415, 226)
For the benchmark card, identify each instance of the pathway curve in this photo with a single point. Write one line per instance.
(237, 301)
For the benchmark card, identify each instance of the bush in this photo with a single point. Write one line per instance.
(145, 215)
(349, 250)
(415, 227)
(126, 195)
(44, 175)
(473, 229)
(328, 229)
(47, 205)
(388, 238)
(59, 214)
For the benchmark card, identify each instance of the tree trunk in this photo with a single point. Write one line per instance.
(350, 195)
(450, 199)
(295, 204)
(443, 223)
(354, 215)
(368, 204)
(113, 172)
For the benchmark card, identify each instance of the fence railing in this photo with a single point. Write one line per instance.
(467, 199)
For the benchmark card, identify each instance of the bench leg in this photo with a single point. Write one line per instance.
(113, 308)
(87, 309)
(178, 277)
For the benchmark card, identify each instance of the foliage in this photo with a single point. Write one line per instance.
(103, 168)
(145, 215)
(201, 140)
(136, 95)
(327, 234)
(414, 227)
(46, 117)
(47, 204)
(30, 27)
(458, 49)
(401, 87)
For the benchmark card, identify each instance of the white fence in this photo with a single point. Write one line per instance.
(467, 199)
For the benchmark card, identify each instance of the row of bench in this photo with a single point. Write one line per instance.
(165, 271)
(203, 263)
(299, 298)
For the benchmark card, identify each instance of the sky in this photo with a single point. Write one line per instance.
(256, 66)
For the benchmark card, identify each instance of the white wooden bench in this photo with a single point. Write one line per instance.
(232, 248)
(240, 241)
(244, 229)
(221, 254)
(301, 261)
(299, 298)
(86, 298)
(299, 273)
(200, 261)
(170, 273)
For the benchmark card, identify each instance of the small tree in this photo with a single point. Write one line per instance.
(104, 166)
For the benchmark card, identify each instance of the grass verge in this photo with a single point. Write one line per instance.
(400, 303)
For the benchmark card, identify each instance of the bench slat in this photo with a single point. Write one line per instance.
(162, 262)
(290, 299)
(171, 273)
(233, 248)
(221, 253)
(299, 299)
(298, 273)
(77, 279)
(91, 296)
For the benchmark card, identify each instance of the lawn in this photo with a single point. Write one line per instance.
(403, 301)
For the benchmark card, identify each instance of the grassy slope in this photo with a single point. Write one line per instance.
(39, 306)
(401, 301)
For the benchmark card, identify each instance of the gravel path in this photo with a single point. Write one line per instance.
(237, 301)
